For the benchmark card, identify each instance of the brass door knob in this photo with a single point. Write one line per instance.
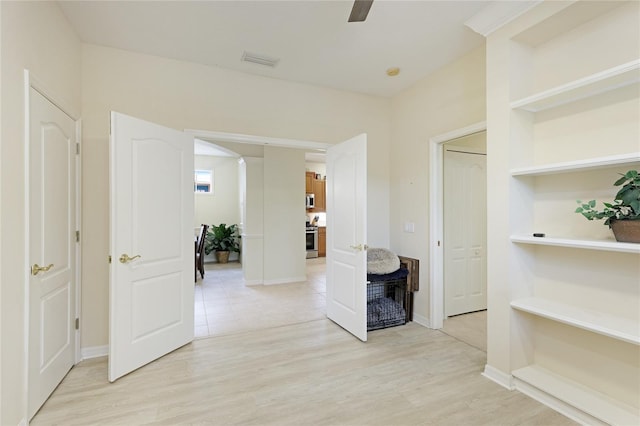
(36, 269)
(126, 259)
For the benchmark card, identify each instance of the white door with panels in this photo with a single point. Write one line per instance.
(52, 248)
(465, 232)
(152, 251)
(347, 235)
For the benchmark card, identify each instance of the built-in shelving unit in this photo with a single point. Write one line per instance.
(574, 99)
(595, 84)
(590, 320)
(539, 382)
(630, 159)
(614, 246)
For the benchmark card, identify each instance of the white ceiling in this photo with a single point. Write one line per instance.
(312, 39)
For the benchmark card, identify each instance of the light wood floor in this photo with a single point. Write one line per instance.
(469, 328)
(262, 359)
(312, 373)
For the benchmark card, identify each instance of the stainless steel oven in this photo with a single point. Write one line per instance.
(312, 241)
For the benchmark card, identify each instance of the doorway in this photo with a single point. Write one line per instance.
(465, 217)
(269, 255)
(347, 227)
(436, 219)
(465, 239)
(52, 240)
(231, 297)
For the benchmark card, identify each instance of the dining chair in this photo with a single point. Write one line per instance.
(199, 259)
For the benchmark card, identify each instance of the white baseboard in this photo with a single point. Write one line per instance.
(556, 404)
(423, 321)
(94, 351)
(253, 282)
(286, 280)
(503, 379)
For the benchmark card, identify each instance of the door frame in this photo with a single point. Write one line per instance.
(436, 218)
(30, 81)
(239, 138)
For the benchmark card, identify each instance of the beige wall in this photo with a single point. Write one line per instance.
(186, 95)
(223, 205)
(448, 99)
(252, 223)
(36, 36)
(284, 215)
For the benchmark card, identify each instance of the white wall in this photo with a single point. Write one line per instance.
(284, 212)
(448, 99)
(222, 206)
(36, 36)
(252, 222)
(185, 95)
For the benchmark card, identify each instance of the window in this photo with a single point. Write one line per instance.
(203, 182)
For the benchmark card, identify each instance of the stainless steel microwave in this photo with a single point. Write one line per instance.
(311, 202)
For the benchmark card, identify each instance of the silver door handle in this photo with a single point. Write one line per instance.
(360, 247)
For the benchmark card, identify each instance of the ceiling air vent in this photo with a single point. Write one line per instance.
(260, 59)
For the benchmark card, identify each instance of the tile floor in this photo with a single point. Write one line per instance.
(224, 305)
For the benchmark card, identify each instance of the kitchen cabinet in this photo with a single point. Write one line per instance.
(319, 190)
(309, 178)
(322, 241)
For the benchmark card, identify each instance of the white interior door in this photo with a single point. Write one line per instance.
(52, 247)
(346, 235)
(465, 235)
(151, 274)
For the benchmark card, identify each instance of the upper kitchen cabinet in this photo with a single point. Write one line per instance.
(317, 187)
(309, 178)
(320, 192)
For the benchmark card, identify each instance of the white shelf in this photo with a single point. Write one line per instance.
(539, 382)
(581, 244)
(579, 165)
(595, 84)
(590, 320)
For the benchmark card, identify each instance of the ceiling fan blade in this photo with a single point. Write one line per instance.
(360, 10)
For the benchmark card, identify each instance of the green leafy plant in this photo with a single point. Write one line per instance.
(222, 238)
(625, 206)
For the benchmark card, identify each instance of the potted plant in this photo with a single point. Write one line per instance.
(222, 239)
(623, 215)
